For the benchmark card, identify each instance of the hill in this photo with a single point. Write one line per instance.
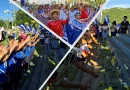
(117, 14)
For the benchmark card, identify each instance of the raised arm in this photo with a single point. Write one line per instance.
(23, 43)
(3, 51)
(12, 48)
(36, 42)
(64, 22)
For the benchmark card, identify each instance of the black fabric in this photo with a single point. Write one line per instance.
(6, 86)
(62, 45)
(113, 33)
(125, 26)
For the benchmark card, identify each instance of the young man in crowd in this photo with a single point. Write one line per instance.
(124, 25)
(56, 24)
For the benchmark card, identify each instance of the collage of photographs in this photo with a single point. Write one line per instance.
(65, 45)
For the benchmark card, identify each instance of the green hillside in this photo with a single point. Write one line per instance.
(117, 14)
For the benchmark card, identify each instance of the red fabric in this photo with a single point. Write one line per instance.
(84, 14)
(57, 26)
(23, 36)
(85, 52)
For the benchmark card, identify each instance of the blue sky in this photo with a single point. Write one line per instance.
(118, 3)
(4, 5)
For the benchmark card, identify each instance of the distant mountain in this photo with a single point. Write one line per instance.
(117, 14)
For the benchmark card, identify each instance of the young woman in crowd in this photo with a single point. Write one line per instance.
(45, 16)
(113, 28)
(105, 30)
(71, 14)
(77, 26)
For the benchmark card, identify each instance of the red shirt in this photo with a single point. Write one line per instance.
(57, 26)
(84, 14)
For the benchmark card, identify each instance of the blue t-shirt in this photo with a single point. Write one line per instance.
(32, 48)
(3, 76)
(28, 51)
(3, 66)
(19, 56)
(11, 63)
(40, 11)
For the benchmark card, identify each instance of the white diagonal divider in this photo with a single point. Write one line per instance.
(71, 46)
(74, 44)
(90, 23)
(13, 2)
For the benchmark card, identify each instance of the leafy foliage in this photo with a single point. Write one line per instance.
(21, 17)
(2, 23)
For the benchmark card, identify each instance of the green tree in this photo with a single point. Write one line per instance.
(2, 23)
(96, 3)
(21, 17)
(99, 2)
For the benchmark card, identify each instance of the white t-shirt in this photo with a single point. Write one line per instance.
(47, 40)
(85, 47)
(77, 52)
(71, 16)
(113, 28)
(105, 28)
(63, 15)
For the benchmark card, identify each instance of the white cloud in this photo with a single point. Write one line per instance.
(119, 5)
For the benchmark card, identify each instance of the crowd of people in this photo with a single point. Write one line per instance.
(66, 21)
(17, 51)
(83, 52)
(104, 30)
(53, 44)
(15, 57)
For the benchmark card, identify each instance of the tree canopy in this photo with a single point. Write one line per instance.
(22, 17)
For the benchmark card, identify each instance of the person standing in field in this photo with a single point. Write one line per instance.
(113, 29)
(56, 24)
(124, 25)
